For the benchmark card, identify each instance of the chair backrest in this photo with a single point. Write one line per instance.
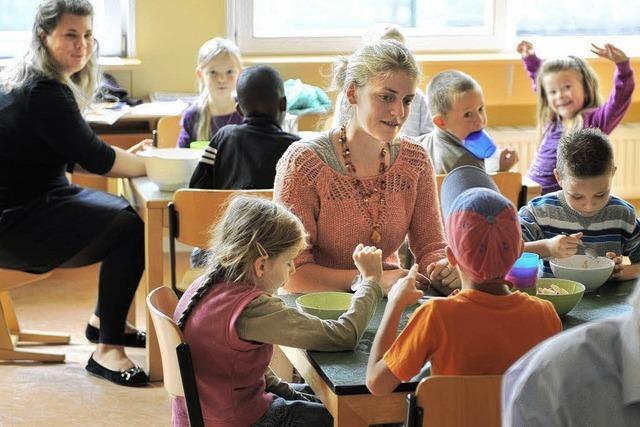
(450, 401)
(179, 379)
(196, 211)
(168, 129)
(509, 183)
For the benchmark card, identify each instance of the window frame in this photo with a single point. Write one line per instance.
(240, 20)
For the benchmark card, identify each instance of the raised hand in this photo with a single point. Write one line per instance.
(368, 261)
(610, 52)
(525, 49)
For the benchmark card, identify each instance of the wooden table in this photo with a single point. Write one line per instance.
(151, 205)
(338, 378)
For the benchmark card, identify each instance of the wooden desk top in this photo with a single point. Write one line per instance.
(345, 372)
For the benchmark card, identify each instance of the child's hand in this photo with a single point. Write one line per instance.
(404, 292)
(443, 276)
(618, 268)
(562, 246)
(610, 52)
(525, 49)
(508, 159)
(368, 260)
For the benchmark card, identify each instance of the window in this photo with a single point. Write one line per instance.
(324, 26)
(113, 26)
(329, 26)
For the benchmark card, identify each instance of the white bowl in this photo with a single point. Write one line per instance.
(591, 272)
(170, 168)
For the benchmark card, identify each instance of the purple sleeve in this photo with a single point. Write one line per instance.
(532, 65)
(610, 114)
(187, 127)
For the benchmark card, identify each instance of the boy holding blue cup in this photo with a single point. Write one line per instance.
(456, 102)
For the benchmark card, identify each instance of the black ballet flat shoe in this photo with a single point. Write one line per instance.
(131, 339)
(132, 377)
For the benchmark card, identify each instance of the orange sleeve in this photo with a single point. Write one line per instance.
(415, 344)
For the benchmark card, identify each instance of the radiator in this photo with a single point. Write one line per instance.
(626, 150)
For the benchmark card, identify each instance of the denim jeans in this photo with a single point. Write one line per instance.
(295, 413)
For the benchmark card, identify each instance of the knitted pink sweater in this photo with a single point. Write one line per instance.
(335, 216)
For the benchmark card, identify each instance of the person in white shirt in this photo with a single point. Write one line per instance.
(587, 376)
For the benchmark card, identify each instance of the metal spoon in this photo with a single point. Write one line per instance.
(588, 251)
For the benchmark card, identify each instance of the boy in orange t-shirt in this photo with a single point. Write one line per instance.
(485, 327)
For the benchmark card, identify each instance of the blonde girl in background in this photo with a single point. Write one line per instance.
(569, 99)
(231, 320)
(219, 64)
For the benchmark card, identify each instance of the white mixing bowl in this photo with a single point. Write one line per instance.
(170, 168)
(591, 272)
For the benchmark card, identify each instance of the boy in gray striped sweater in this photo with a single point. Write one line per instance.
(583, 212)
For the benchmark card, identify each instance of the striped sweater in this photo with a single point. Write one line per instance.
(614, 229)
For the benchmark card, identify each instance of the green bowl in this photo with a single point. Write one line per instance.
(325, 305)
(199, 145)
(562, 303)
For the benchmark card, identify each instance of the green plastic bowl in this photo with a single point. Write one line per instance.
(199, 145)
(562, 303)
(325, 305)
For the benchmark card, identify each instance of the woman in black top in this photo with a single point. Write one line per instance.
(45, 222)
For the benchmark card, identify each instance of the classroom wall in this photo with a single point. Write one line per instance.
(168, 35)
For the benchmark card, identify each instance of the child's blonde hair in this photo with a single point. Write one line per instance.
(379, 59)
(590, 86)
(251, 228)
(446, 88)
(210, 50)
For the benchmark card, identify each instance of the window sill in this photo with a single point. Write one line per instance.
(486, 58)
(108, 63)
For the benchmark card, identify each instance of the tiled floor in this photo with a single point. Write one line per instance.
(34, 394)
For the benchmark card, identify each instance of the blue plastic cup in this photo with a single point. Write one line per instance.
(480, 144)
(524, 272)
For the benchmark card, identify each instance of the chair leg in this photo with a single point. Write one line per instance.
(36, 356)
(8, 338)
(9, 313)
(28, 335)
(43, 337)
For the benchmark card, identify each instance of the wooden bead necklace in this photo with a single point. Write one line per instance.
(379, 187)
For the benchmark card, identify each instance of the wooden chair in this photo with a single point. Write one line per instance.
(191, 215)
(456, 401)
(10, 332)
(509, 183)
(177, 367)
(168, 130)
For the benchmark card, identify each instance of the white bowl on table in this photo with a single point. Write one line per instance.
(591, 272)
(170, 168)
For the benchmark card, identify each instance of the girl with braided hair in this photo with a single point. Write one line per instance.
(231, 320)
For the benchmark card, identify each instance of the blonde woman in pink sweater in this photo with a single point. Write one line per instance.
(365, 183)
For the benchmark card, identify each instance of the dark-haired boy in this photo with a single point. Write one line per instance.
(244, 156)
(583, 212)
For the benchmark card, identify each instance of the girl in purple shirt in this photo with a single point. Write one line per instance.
(219, 63)
(568, 99)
